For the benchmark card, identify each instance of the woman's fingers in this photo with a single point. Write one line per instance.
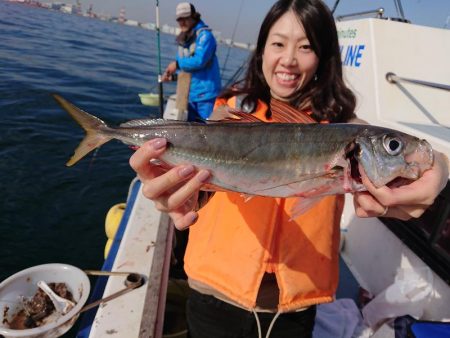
(139, 161)
(368, 206)
(167, 183)
(405, 201)
(174, 190)
(181, 220)
(187, 190)
(422, 191)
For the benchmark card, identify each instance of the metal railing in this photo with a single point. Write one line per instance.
(398, 6)
(379, 14)
(393, 78)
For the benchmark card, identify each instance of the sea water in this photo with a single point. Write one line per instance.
(48, 212)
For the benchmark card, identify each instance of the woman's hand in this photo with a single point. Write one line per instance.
(174, 191)
(406, 201)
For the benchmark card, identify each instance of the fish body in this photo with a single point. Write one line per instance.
(272, 159)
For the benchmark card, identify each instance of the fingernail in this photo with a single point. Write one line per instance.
(159, 143)
(194, 218)
(203, 175)
(186, 171)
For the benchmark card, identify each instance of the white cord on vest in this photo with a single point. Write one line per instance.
(258, 324)
(272, 323)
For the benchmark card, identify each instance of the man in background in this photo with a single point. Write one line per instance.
(197, 56)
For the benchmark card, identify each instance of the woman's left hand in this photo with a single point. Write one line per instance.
(406, 201)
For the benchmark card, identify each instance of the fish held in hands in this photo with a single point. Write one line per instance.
(271, 159)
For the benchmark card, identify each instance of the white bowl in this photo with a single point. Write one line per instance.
(24, 283)
(149, 99)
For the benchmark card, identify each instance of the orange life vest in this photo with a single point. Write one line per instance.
(235, 242)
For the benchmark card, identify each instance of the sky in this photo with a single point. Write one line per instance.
(223, 15)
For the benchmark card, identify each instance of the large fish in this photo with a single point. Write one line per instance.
(271, 159)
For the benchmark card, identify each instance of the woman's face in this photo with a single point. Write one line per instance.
(288, 62)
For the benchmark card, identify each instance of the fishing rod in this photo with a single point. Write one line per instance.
(232, 37)
(335, 6)
(158, 38)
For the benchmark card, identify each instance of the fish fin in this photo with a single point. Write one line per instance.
(285, 113)
(245, 117)
(212, 187)
(92, 125)
(150, 122)
(89, 143)
(247, 197)
(302, 205)
(226, 113)
(156, 161)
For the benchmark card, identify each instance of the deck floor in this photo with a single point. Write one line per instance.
(348, 286)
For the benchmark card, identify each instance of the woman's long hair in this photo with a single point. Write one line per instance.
(327, 95)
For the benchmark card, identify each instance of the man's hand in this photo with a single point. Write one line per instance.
(170, 70)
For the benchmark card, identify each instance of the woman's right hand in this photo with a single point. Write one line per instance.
(174, 191)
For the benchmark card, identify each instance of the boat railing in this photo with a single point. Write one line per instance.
(379, 14)
(398, 6)
(393, 78)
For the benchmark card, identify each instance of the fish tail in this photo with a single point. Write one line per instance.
(92, 125)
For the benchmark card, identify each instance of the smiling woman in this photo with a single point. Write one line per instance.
(301, 67)
(257, 256)
(289, 62)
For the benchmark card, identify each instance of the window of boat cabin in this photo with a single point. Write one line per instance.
(429, 235)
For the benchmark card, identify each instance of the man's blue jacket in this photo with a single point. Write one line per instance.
(198, 57)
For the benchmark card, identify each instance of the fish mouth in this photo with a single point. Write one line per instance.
(352, 154)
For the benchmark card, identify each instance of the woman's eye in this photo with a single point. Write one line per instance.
(277, 44)
(305, 47)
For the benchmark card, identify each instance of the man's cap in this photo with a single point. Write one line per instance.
(184, 10)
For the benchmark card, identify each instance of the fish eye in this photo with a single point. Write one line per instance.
(392, 144)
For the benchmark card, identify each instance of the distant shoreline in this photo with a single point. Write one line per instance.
(76, 10)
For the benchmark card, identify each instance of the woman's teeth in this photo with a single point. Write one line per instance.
(286, 77)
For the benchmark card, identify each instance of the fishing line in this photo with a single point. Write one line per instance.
(234, 78)
(93, 158)
(232, 37)
(158, 38)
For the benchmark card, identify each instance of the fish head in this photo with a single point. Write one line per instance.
(387, 154)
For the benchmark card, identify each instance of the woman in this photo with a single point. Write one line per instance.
(252, 268)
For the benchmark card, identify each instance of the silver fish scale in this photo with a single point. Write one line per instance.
(243, 152)
(272, 159)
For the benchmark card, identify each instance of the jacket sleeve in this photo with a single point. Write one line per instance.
(205, 47)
